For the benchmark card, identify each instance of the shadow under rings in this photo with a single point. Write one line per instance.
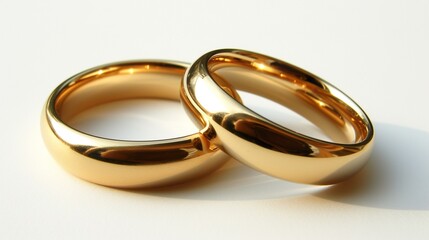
(397, 175)
(234, 182)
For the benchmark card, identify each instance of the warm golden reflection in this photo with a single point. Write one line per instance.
(259, 66)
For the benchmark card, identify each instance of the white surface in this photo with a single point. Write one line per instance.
(376, 51)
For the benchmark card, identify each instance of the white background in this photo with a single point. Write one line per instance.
(376, 51)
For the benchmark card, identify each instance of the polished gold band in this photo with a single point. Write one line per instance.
(120, 163)
(209, 93)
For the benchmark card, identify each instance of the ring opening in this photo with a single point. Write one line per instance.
(131, 95)
(302, 92)
(282, 115)
(135, 120)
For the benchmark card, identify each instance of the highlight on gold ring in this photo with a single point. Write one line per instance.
(209, 93)
(121, 163)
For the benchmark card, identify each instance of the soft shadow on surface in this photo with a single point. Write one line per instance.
(397, 175)
(234, 182)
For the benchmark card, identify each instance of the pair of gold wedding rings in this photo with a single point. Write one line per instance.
(208, 91)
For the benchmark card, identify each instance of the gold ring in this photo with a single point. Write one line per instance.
(209, 94)
(120, 163)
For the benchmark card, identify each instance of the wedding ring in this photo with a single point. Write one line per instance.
(121, 163)
(209, 93)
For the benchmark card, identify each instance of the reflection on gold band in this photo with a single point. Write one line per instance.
(209, 94)
(120, 163)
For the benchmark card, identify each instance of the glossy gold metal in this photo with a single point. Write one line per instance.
(209, 94)
(120, 163)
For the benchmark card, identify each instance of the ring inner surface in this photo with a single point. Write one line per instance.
(304, 93)
(115, 83)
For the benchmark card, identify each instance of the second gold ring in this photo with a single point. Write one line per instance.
(209, 93)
